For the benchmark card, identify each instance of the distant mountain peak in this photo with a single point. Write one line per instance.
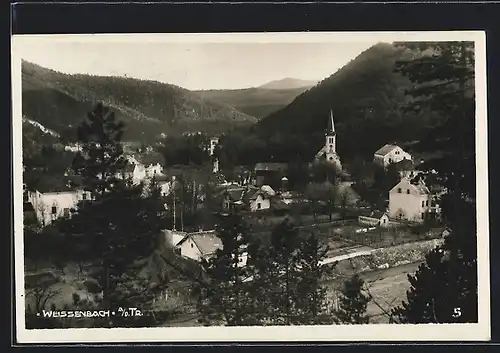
(288, 83)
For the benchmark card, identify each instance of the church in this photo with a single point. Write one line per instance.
(329, 152)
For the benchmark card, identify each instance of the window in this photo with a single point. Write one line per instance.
(423, 215)
(408, 191)
(259, 206)
(427, 203)
(423, 203)
(84, 196)
(390, 160)
(399, 190)
(192, 245)
(66, 211)
(54, 209)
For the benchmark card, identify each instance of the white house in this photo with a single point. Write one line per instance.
(261, 199)
(388, 154)
(203, 245)
(139, 172)
(200, 245)
(49, 206)
(375, 218)
(409, 201)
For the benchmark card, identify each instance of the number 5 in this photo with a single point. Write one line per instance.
(457, 312)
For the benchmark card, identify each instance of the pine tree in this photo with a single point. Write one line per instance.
(100, 161)
(120, 228)
(226, 299)
(283, 261)
(444, 289)
(311, 292)
(353, 303)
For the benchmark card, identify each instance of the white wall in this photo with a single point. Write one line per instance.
(395, 156)
(189, 249)
(265, 204)
(412, 205)
(45, 204)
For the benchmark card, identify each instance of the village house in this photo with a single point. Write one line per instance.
(374, 218)
(203, 245)
(49, 206)
(329, 151)
(270, 174)
(410, 201)
(138, 172)
(261, 199)
(388, 154)
(233, 196)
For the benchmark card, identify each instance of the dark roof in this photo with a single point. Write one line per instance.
(374, 214)
(235, 194)
(405, 164)
(331, 126)
(271, 166)
(382, 151)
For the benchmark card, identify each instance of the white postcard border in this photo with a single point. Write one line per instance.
(428, 332)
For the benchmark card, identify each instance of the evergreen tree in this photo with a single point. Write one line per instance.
(310, 292)
(100, 161)
(118, 232)
(120, 228)
(353, 303)
(226, 299)
(444, 289)
(283, 262)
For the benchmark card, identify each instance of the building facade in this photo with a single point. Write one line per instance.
(50, 206)
(388, 154)
(411, 202)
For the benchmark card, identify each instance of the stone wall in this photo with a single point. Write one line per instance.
(386, 257)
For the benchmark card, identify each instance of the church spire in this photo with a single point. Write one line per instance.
(331, 126)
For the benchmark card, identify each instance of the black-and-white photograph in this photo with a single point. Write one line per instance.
(320, 184)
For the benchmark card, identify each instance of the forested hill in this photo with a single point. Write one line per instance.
(258, 102)
(366, 97)
(59, 101)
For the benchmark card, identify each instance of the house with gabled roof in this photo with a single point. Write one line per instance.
(261, 199)
(410, 201)
(388, 154)
(374, 218)
(233, 196)
(199, 245)
(203, 245)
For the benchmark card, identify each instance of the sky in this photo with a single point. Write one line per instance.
(195, 65)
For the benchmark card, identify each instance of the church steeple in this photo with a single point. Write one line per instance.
(330, 130)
